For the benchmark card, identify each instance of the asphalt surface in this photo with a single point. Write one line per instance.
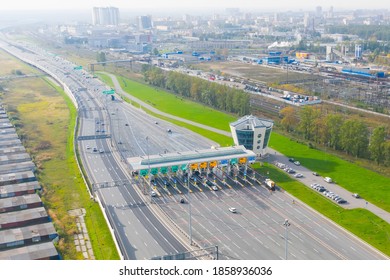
(255, 232)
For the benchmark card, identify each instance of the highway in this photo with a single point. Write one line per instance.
(255, 232)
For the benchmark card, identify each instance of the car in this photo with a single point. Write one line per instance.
(291, 171)
(322, 189)
(94, 149)
(232, 209)
(314, 185)
(97, 130)
(297, 163)
(101, 151)
(298, 175)
(182, 200)
(156, 122)
(153, 193)
(356, 195)
(315, 174)
(169, 130)
(328, 179)
(341, 201)
(215, 188)
(126, 124)
(103, 131)
(291, 159)
(210, 184)
(88, 147)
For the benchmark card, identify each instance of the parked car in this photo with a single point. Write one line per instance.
(291, 159)
(232, 209)
(315, 173)
(297, 163)
(356, 195)
(298, 175)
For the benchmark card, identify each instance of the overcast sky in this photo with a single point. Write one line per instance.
(193, 4)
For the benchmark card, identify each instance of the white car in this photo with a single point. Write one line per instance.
(153, 193)
(297, 163)
(328, 179)
(232, 209)
(298, 175)
(88, 147)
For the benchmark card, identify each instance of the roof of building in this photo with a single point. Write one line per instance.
(19, 200)
(17, 167)
(10, 190)
(252, 121)
(22, 216)
(28, 232)
(181, 158)
(34, 252)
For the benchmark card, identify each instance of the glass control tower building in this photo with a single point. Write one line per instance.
(253, 133)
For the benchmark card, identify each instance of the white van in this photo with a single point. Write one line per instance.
(328, 179)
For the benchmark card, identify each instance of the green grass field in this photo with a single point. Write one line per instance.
(176, 105)
(371, 186)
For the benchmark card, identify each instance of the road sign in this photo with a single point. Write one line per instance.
(111, 91)
(144, 172)
(183, 167)
(242, 160)
(203, 165)
(233, 161)
(223, 162)
(213, 164)
(154, 171)
(174, 168)
(78, 67)
(164, 170)
(194, 166)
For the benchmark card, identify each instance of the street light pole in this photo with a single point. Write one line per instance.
(189, 208)
(286, 224)
(147, 151)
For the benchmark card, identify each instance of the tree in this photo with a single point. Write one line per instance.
(377, 144)
(308, 116)
(334, 122)
(386, 153)
(354, 138)
(289, 120)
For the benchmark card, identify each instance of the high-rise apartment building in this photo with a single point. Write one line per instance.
(105, 16)
(144, 22)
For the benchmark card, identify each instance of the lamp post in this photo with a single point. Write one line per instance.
(286, 224)
(189, 208)
(147, 151)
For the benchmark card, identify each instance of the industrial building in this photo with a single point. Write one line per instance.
(253, 133)
(19, 189)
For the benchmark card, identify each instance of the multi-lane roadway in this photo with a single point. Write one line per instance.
(118, 130)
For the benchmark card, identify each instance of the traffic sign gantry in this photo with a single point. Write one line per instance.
(144, 172)
(111, 91)
(174, 168)
(154, 171)
(164, 170)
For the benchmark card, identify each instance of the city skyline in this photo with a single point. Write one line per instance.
(217, 5)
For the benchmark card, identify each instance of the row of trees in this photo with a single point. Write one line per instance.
(335, 131)
(215, 95)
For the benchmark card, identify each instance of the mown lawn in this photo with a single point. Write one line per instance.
(360, 222)
(176, 105)
(372, 186)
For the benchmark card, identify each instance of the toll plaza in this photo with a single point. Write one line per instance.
(176, 173)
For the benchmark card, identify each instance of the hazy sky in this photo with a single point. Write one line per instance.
(193, 4)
